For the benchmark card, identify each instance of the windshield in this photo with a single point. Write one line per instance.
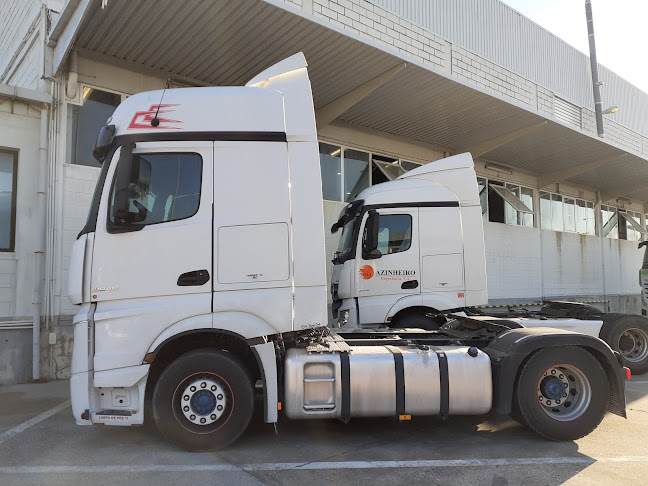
(346, 238)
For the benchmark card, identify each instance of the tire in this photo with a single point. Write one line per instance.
(629, 336)
(561, 393)
(203, 400)
(416, 320)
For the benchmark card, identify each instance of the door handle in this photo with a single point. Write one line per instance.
(410, 284)
(195, 278)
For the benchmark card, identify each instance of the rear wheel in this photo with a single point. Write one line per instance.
(203, 400)
(629, 336)
(561, 393)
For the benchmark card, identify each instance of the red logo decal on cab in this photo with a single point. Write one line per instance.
(366, 272)
(142, 119)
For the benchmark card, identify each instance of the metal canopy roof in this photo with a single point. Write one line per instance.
(227, 42)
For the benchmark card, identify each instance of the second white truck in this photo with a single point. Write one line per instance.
(200, 276)
(427, 261)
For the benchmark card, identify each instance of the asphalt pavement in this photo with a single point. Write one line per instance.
(41, 445)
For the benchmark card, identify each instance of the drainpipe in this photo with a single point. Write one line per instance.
(596, 83)
(39, 250)
(73, 76)
(599, 221)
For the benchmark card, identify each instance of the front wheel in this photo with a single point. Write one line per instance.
(203, 400)
(561, 393)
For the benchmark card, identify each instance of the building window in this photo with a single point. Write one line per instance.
(8, 180)
(85, 121)
(621, 224)
(346, 172)
(356, 173)
(505, 203)
(331, 169)
(561, 213)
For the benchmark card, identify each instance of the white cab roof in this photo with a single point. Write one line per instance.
(449, 179)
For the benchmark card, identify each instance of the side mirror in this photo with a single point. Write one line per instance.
(370, 240)
(121, 218)
(334, 228)
(103, 143)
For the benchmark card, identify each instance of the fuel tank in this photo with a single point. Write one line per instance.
(313, 382)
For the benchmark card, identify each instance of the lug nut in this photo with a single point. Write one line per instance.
(219, 408)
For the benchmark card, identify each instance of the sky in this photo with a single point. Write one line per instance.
(620, 27)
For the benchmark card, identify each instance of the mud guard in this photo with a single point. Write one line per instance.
(510, 349)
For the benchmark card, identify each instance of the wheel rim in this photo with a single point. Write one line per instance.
(633, 345)
(202, 402)
(564, 392)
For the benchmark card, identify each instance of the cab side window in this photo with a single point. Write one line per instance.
(162, 187)
(394, 233)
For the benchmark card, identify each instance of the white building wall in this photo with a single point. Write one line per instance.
(19, 130)
(513, 262)
(21, 46)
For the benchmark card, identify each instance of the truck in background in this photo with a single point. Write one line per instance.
(429, 262)
(200, 274)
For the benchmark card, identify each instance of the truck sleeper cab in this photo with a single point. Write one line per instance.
(200, 273)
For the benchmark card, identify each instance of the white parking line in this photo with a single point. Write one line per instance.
(285, 466)
(33, 421)
(636, 382)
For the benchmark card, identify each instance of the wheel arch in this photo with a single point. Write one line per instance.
(432, 302)
(249, 342)
(510, 350)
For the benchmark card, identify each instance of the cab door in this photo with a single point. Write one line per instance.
(152, 259)
(392, 271)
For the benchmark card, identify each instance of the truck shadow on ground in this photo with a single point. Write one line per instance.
(486, 437)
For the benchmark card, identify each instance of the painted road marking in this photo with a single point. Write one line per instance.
(636, 382)
(33, 421)
(285, 466)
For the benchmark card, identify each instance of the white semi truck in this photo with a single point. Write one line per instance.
(428, 262)
(201, 278)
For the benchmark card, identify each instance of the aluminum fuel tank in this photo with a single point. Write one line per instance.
(313, 382)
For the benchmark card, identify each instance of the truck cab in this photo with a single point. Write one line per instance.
(193, 228)
(428, 249)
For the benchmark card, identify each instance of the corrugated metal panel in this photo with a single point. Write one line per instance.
(567, 112)
(502, 35)
(246, 36)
